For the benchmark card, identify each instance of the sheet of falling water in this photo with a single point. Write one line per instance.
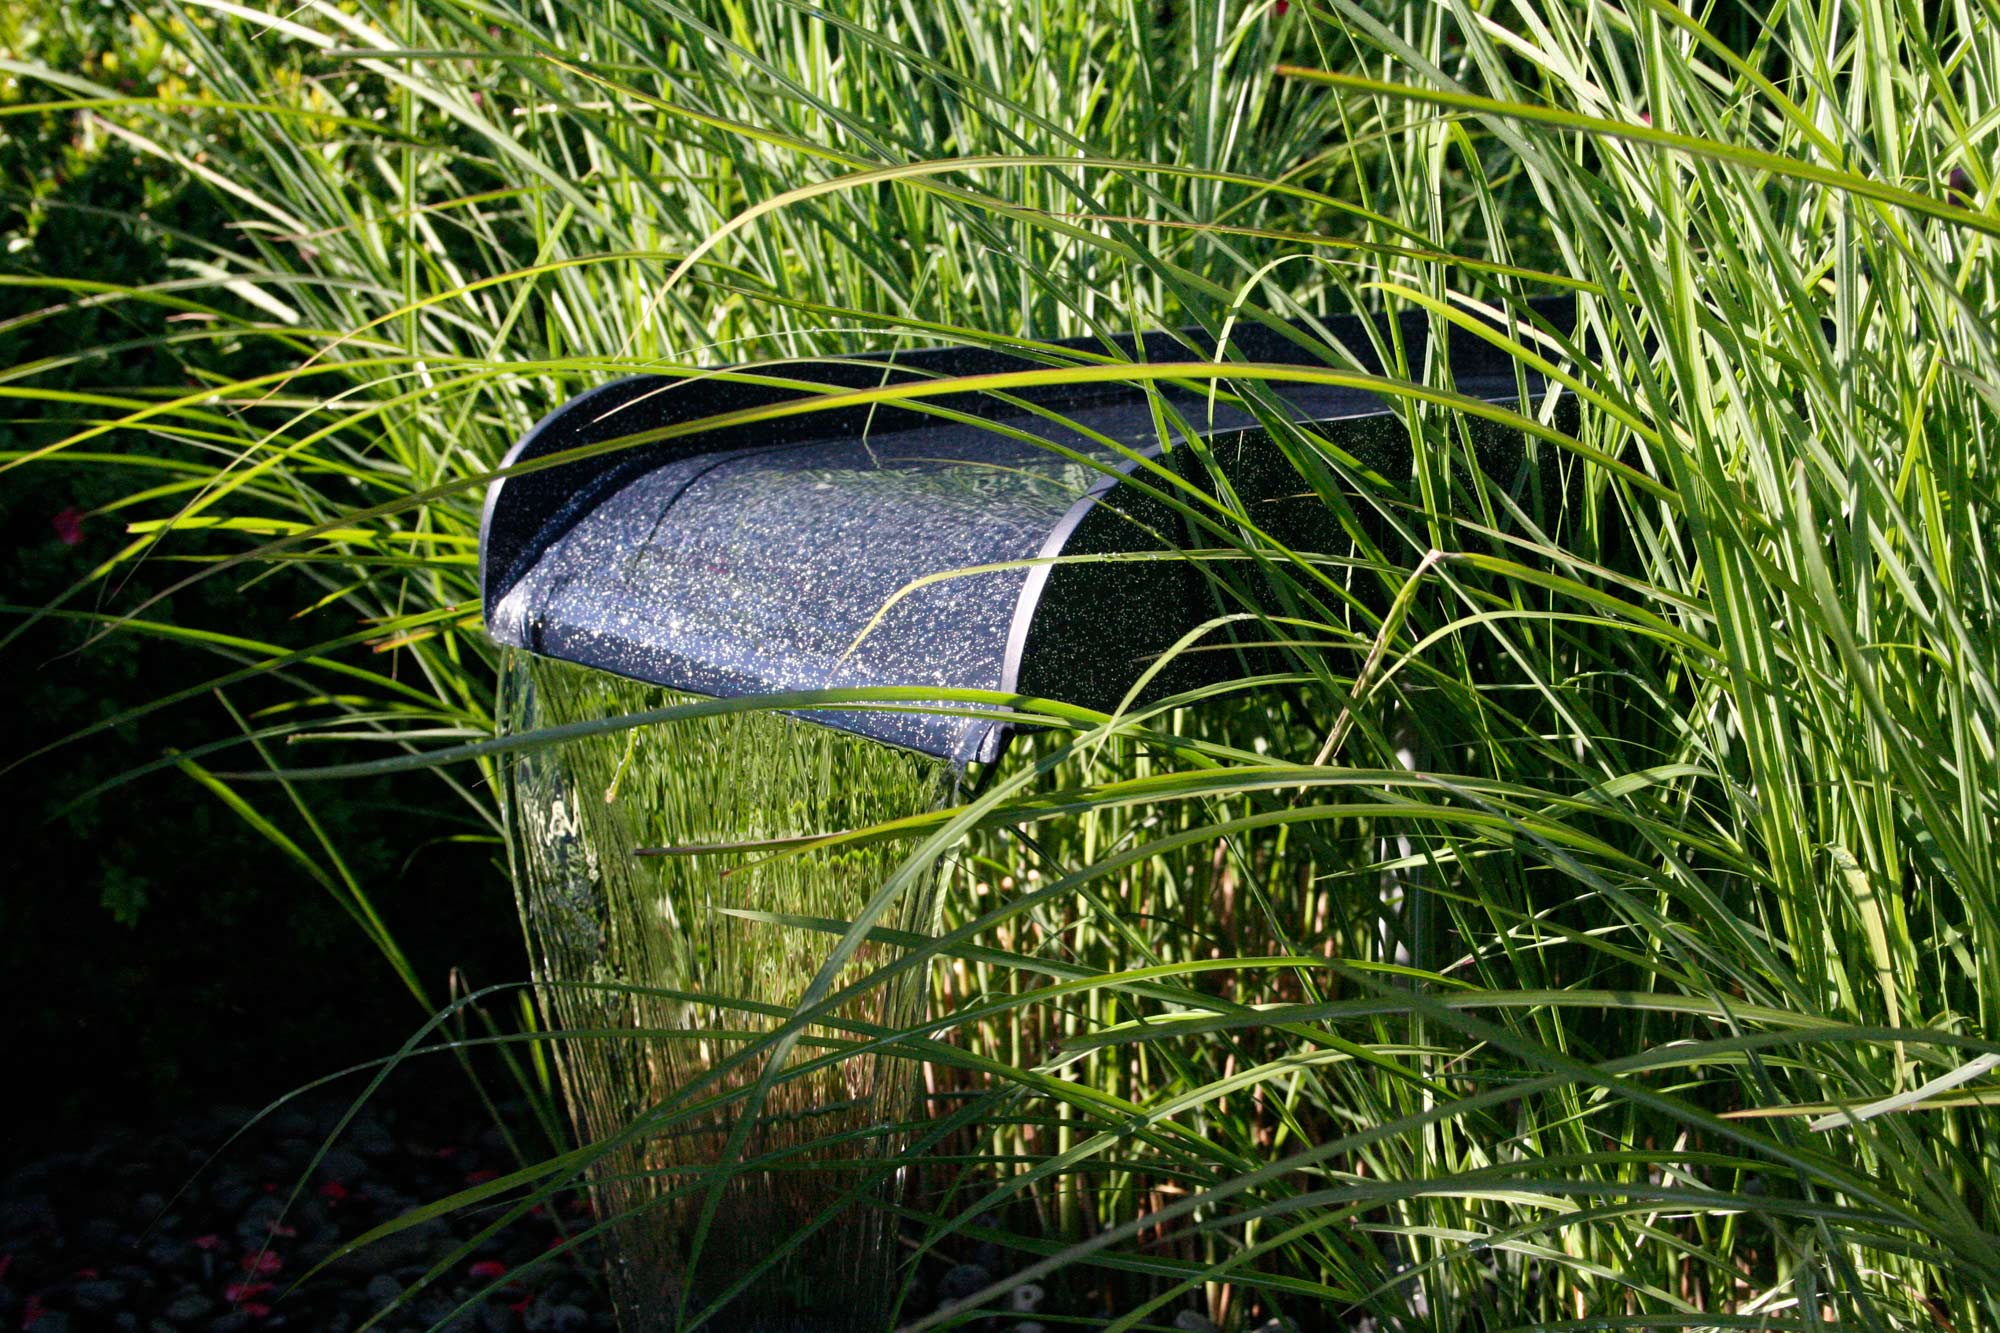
(639, 958)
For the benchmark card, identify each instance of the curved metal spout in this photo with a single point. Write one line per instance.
(903, 545)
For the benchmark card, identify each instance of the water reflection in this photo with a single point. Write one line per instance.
(595, 914)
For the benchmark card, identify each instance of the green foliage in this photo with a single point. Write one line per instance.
(1704, 783)
(202, 903)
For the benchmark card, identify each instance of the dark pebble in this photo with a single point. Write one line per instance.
(265, 1212)
(961, 1282)
(98, 1294)
(26, 1213)
(556, 1318)
(382, 1290)
(342, 1164)
(101, 1233)
(169, 1252)
(437, 1312)
(292, 1124)
(230, 1193)
(494, 1317)
(187, 1307)
(368, 1137)
(53, 1321)
(412, 1245)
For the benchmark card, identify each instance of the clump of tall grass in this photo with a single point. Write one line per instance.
(1695, 782)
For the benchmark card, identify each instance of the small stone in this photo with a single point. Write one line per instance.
(169, 1252)
(368, 1137)
(1027, 1298)
(236, 1321)
(1029, 1326)
(229, 1194)
(556, 1318)
(961, 1282)
(52, 1321)
(290, 1124)
(1194, 1321)
(254, 1228)
(98, 1295)
(436, 1312)
(26, 1214)
(148, 1206)
(497, 1317)
(383, 1290)
(101, 1233)
(187, 1307)
(342, 1164)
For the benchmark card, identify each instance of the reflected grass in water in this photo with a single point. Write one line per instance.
(596, 914)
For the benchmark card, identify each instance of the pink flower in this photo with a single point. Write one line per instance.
(487, 1269)
(333, 1191)
(480, 1177)
(236, 1293)
(68, 525)
(265, 1262)
(32, 1312)
(208, 1242)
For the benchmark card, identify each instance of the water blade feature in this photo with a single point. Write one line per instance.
(655, 534)
(639, 959)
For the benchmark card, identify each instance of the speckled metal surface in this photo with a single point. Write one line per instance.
(838, 549)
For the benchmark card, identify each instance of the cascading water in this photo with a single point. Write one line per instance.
(640, 962)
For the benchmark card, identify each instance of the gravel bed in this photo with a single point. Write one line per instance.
(167, 1230)
(143, 1231)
